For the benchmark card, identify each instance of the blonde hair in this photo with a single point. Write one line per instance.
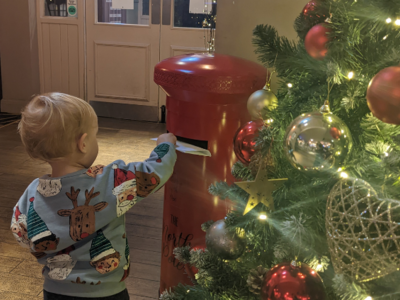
(52, 122)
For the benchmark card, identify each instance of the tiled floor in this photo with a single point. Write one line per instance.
(20, 275)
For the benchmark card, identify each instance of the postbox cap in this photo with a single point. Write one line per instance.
(192, 77)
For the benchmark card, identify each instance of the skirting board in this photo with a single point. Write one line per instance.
(14, 106)
(126, 111)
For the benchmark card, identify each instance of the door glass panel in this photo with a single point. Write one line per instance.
(134, 12)
(192, 13)
(55, 8)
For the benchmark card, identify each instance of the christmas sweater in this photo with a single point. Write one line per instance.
(75, 225)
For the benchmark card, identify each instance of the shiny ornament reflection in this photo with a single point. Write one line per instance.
(318, 141)
(292, 281)
(223, 243)
(243, 141)
(259, 100)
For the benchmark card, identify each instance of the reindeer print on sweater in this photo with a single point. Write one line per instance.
(82, 218)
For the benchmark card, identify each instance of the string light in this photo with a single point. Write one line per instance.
(290, 85)
(388, 20)
(319, 267)
(385, 37)
(350, 75)
(344, 175)
(368, 298)
(262, 216)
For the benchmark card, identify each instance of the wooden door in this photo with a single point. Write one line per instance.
(122, 50)
(61, 47)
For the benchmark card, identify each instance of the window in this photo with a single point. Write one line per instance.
(56, 8)
(192, 13)
(113, 12)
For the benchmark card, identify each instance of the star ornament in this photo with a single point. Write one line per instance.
(260, 190)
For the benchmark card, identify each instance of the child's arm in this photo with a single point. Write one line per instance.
(134, 181)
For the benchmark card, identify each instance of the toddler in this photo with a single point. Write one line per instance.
(73, 221)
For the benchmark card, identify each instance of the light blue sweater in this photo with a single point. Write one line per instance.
(75, 225)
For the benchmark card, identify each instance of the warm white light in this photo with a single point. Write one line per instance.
(319, 267)
(340, 170)
(388, 20)
(344, 175)
(397, 22)
(262, 216)
(368, 298)
(350, 75)
(290, 85)
(386, 154)
(385, 37)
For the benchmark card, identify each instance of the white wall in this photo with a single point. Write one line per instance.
(19, 53)
(236, 20)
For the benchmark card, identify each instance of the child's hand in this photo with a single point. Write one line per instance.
(166, 138)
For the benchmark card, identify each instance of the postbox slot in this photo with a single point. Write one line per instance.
(201, 144)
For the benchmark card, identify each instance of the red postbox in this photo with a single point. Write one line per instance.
(206, 104)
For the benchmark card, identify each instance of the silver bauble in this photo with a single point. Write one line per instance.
(259, 100)
(318, 141)
(223, 243)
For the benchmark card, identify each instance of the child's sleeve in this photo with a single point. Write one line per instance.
(134, 181)
(19, 225)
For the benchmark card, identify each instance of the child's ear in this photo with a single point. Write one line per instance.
(82, 143)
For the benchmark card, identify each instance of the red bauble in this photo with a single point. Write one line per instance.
(383, 95)
(310, 6)
(335, 133)
(286, 281)
(243, 142)
(316, 40)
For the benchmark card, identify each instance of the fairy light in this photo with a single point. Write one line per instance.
(340, 170)
(350, 75)
(397, 23)
(385, 37)
(344, 175)
(319, 267)
(368, 298)
(388, 20)
(290, 85)
(262, 216)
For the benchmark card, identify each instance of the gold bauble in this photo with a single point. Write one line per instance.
(318, 141)
(205, 23)
(363, 231)
(259, 100)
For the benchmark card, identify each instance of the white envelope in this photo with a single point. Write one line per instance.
(190, 149)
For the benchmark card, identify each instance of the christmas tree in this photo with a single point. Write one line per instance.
(317, 208)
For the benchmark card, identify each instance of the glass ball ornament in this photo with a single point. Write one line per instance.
(383, 95)
(292, 281)
(318, 141)
(259, 100)
(243, 141)
(224, 243)
(309, 7)
(316, 40)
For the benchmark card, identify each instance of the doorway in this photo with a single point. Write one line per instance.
(121, 41)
